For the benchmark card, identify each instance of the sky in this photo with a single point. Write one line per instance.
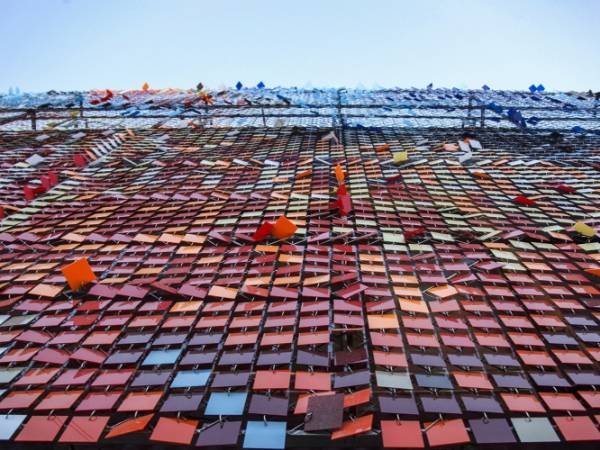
(120, 44)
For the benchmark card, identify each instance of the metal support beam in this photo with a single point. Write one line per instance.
(33, 115)
(338, 111)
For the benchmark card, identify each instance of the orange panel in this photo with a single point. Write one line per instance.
(271, 379)
(130, 426)
(178, 431)
(283, 228)
(447, 432)
(315, 381)
(401, 434)
(78, 273)
(41, 429)
(354, 427)
(84, 429)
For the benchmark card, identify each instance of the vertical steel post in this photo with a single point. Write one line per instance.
(482, 116)
(32, 113)
(469, 112)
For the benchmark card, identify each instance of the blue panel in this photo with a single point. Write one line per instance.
(534, 429)
(7, 374)
(158, 357)
(190, 378)
(226, 404)
(9, 424)
(260, 434)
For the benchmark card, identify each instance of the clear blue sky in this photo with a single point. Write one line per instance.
(508, 44)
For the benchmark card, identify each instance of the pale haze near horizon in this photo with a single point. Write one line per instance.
(120, 44)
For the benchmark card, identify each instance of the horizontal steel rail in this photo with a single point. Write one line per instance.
(300, 106)
(338, 112)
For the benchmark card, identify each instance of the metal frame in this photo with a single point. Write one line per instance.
(469, 115)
